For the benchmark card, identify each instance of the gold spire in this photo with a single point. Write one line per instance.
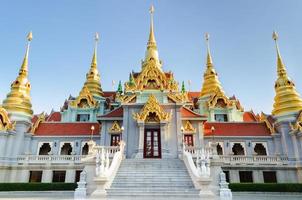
(93, 76)
(287, 100)
(17, 102)
(211, 84)
(151, 52)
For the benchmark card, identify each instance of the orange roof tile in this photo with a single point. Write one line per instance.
(236, 129)
(249, 117)
(118, 112)
(187, 113)
(54, 117)
(66, 129)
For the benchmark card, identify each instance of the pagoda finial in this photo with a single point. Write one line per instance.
(120, 88)
(209, 57)
(24, 66)
(183, 88)
(211, 84)
(18, 102)
(151, 52)
(280, 65)
(287, 100)
(93, 76)
(94, 57)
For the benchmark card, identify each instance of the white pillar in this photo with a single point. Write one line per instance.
(70, 176)
(3, 141)
(47, 176)
(141, 128)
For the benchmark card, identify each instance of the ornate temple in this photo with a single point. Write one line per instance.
(151, 120)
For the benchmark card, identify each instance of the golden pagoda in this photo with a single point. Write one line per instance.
(211, 84)
(287, 100)
(18, 102)
(93, 77)
(152, 52)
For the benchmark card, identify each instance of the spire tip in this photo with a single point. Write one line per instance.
(96, 36)
(275, 36)
(151, 9)
(29, 36)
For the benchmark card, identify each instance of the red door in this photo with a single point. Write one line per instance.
(152, 147)
(189, 140)
(115, 140)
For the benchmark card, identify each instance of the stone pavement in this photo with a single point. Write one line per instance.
(62, 195)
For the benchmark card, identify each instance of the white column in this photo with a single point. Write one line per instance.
(201, 133)
(141, 128)
(3, 141)
(47, 176)
(70, 176)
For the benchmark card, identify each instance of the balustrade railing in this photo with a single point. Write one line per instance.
(240, 159)
(39, 159)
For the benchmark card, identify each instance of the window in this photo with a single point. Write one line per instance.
(85, 149)
(45, 149)
(115, 139)
(227, 176)
(77, 177)
(219, 149)
(260, 149)
(58, 176)
(66, 149)
(238, 149)
(269, 177)
(188, 139)
(35, 176)
(221, 117)
(83, 117)
(246, 176)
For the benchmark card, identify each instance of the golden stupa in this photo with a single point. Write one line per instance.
(93, 77)
(18, 101)
(287, 99)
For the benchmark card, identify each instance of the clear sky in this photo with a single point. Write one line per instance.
(240, 36)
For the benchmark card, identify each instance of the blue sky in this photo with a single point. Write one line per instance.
(63, 30)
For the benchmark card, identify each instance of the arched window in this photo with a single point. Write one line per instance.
(260, 150)
(238, 149)
(45, 149)
(219, 149)
(66, 149)
(85, 149)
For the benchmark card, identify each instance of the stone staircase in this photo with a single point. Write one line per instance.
(152, 179)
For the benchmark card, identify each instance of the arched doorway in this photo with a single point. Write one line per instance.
(45, 149)
(219, 149)
(260, 150)
(66, 149)
(238, 149)
(85, 149)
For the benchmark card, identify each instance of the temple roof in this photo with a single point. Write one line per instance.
(236, 129)
(187, 113)
(66, 129)
(118, 112)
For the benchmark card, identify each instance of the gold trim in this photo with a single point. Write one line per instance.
(5, 123)
(152, 106)
(115, 128)
(41, 118)
(84, 95)
(188, 128)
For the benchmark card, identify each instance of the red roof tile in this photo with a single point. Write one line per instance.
(66, 129)
(187, 113)
(34, 119)
(193, 95)
(54, 117)
(118, 112)
(249, 117)
(236, 129)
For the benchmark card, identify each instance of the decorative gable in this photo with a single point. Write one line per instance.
(188, 128)
(115, 128)
(84, 100)
(5, 123)
(152, 111)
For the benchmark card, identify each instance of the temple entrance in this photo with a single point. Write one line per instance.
(152, 146)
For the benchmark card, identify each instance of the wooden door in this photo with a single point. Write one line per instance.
(115, 139)
(152, 146)
(189, 140)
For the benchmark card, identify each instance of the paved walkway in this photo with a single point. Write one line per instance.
(67, 195)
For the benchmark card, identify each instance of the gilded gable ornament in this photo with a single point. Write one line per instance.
(84, 100)
(188, 128)
(41, 118)
(5, 123)
(297, 126)
(115, 128)
(152, 111)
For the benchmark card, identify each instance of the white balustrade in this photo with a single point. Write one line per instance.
(43, 159)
